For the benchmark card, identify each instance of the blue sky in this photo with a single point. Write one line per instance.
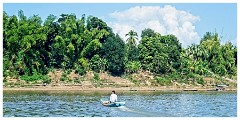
(199, 18)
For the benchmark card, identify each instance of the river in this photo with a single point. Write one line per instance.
(138, 104)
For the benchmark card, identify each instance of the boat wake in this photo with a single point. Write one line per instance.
(124, 108)
(140, 113)
(136, 113)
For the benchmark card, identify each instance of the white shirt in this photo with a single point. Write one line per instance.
(113, 98)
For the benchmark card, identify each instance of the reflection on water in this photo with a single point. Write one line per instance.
(150, 104)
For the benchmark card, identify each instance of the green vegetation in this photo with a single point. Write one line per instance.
(163, 81)
(64, 77)
(200, 81)
(35, 77)
(136, 82)
(32, 48)
(96, 80)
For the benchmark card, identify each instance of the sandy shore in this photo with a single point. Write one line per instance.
(77, 88)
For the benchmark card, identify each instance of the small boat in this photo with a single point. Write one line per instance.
(220, 87)
(115, 104)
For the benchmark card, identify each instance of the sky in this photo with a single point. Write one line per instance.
(187, 21)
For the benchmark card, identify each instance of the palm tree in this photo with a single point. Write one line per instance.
(132, 37)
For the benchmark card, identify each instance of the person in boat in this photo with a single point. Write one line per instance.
(113, 98)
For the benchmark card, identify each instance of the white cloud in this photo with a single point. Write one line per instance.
(165, 20)
(121, 29)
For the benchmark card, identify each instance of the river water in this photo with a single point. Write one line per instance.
(145, 104)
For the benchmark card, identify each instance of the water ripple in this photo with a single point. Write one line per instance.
(210, 104)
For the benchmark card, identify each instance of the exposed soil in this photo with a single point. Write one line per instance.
(107, 82)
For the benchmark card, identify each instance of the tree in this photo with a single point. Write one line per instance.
(211, 55)
(235, 54)
(131, 50)
(159, 54)
(133, 67)
(153, 55)
(96, 24)
(97, 63)
(132, 53)
(31, 47)
(113, 52)
(52, 29)
(32, 44)
(174, 49)
(64, 44)
(228, 58)
(148, 33)
(132, 37)
(186, 62)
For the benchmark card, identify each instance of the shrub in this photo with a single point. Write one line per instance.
(163, 81)
(191, 75)
(69, 71)
(132, 67)
(35, 77)
(200, 81)
(77, 81)
(63, 77)
(175, 76)
(97, 63)
(47, 80)
(133, 80)
(80, 71)
(5, 73)
(4, 80)
(96, 77)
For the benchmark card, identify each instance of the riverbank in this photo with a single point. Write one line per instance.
(77, 88)
(104, 82)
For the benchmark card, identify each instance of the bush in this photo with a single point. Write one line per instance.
(69, 71)
(133, 80)
(63, 77)
(191, 75)
(48, 80)
(136, 82)
(35, 77)
(5, 73)
(4, 80)
(96, 77)
(132, 67)
(200, 81)
(97, 63)
(80, 71)
(163, 81)
(77, 81)
(175, 76)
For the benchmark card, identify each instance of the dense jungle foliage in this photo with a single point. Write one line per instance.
(33, 47)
